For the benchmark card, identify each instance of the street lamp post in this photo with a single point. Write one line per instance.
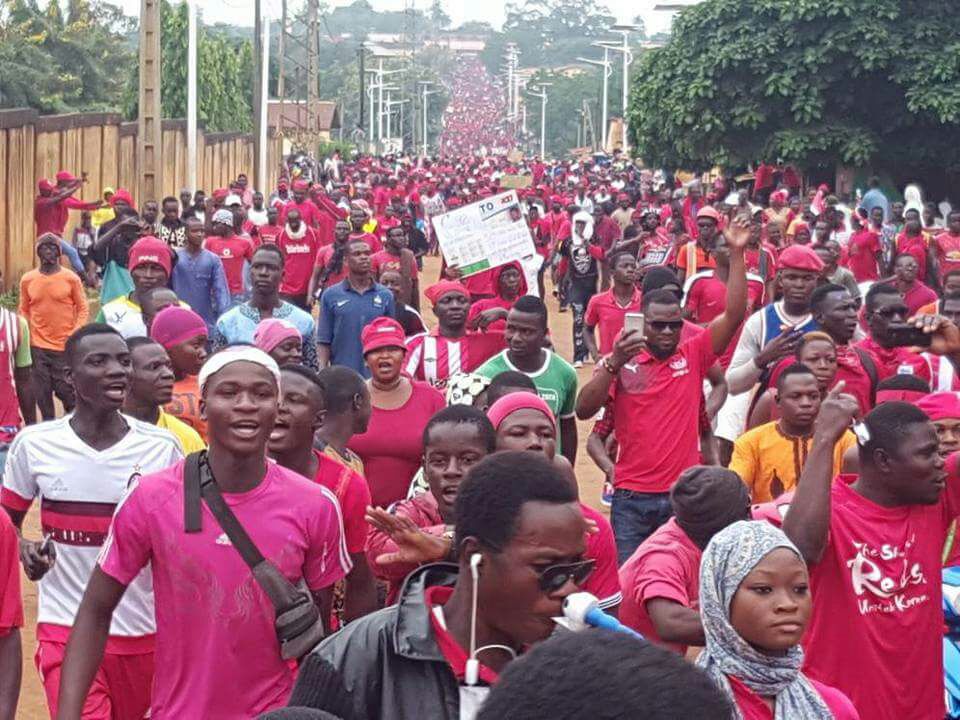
(426, 93)
(624, 49)
(543, 116)
(605, 64)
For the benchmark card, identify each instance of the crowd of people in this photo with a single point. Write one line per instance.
(279, 488)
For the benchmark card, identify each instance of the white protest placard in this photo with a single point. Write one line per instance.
(486, 234)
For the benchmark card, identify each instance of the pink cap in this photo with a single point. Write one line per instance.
(708, 211)
(175, 324)
(271, 332)
(150, 249)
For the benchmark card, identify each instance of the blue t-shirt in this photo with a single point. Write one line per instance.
(343, 314)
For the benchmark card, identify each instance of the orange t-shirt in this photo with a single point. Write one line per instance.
(54, 306)
(186, 404)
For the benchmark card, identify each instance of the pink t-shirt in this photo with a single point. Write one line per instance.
(876, 631)
(392, 446)
(11, 604)
(217, 654)
(752, 707)
(666, 565)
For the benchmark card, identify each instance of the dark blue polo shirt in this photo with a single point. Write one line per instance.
(343, 314)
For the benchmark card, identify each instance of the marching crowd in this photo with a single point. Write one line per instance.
(280, 489)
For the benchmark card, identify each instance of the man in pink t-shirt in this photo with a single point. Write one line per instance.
(661, 580)
(216, 642)
(873, 542)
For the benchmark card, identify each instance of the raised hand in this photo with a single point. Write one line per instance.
(413, 544)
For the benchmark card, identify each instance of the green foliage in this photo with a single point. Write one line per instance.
(225, 73)
(56, 63)
(564, 102)
(813, 82)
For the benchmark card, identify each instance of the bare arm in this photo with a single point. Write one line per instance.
(718, 391)
(11, 662)
(568, 438)
(87, 641)
(808, 522)
(675, 623)
(590, 340)
(25, 395)
(724, 328)
(597, 450)
(361, 597)
(323, 355)
(324, 600)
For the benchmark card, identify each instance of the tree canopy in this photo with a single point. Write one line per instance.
(812, 82)
(56, 62)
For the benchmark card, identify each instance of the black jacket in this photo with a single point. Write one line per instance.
(386, 665)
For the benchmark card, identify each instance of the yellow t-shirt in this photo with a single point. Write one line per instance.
(189, 438)
(770, 463)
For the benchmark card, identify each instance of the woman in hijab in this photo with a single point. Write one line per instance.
(755, 604)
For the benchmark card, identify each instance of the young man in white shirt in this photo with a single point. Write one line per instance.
(80, 467)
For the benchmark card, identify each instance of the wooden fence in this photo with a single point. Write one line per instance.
(34, 147)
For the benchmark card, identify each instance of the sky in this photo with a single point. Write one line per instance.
(240, 12)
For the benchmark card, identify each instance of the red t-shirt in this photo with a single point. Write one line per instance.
(392, 446)
(751, 258)
(232, 251)
(11, 604)
(299, 256)
(918, 296)
(666, 565)
(706, 299)
(603, 583)
(384, 260)
(752, 707)
(876, 631)
(455, 655)
(862, 249)
(947, 247)
(352, 493)
(606, 314)
(656, 407)
(269, 233)
(606, 233)
(916, 246)
(309, 213)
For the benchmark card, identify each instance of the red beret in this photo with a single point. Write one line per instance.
(800, 257)
(445, 287)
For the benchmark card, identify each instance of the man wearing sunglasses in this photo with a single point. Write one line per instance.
(519, 551)
(884, 306)
(655, 383)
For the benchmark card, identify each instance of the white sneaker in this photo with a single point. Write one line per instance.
(578, 364)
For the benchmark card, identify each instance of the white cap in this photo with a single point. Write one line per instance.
(232, 199)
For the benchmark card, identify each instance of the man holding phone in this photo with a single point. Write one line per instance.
(891, 340)
(654, 383)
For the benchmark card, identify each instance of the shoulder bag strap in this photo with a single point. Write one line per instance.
(192, 517)
(227, 520)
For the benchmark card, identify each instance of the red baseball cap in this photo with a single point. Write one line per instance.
(64, 176)
(801, 257)
(382, 332)
(940, 405)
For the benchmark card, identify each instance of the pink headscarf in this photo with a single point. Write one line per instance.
(273, 331)
(509, 404)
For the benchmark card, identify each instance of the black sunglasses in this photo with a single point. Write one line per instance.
(661, 325)
(553, 578)
(890, 310)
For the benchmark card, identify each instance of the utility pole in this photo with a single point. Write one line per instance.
(263, 85)
(543, 116)
(192, 95)
(149, 130)
(313, 65)
(362, 56)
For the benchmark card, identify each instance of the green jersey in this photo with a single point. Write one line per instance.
(556, 380)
